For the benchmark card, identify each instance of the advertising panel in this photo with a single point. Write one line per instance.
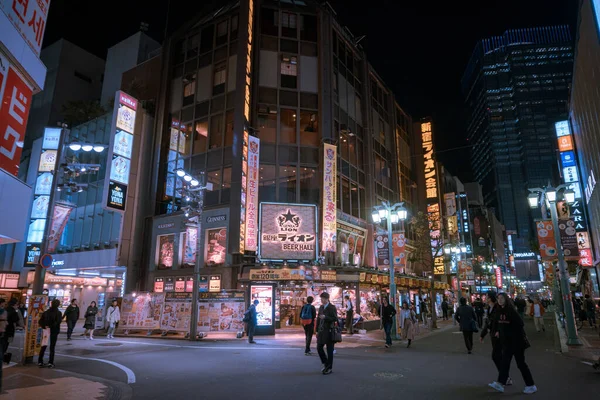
(399, 247)
(40, 207)
(190, 240)
(215, 248)
(59, 221)
(159, 285)
(176, 312)
(43, 183)
(450, 200)
(33, 331)
(382, 249)
(568, 238)
(264, 309)
(583, 240)
(562, 128)
(438, 266)
(498, 277)
(355, 238)
(545, 234)
(48, 161)
(244, 192)
(142, 311)
(280, 274)
(288, 232)
(565, 143)
(585, 258)
(120, 151)
(329, 197)
(251, 235)
(570, 174)
(51, 139)
(15, 102)
(29, 19)
(567, 159)
(165, 245)
(221, 312)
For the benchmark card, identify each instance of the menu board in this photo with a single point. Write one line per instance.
(221, 312)
(141, 311)
(264, 309)
(176, 312)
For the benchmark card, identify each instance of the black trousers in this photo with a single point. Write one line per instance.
(497, 354)
(327, 360)
(519, 354)
(349, 318)
(468, 336)
(309, 330)
(445, 313)
(479, 320)
(70, 327)
(53, 339)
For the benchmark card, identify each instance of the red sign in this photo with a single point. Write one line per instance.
(14, 111)
(585, 258)
(29, 18)
(128, 101)
(498, 278)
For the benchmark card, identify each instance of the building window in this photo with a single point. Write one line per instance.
(268, 19)
(189, 89)
(226, 185)
(219, 78)
(211, 197)
(287, 183)
(309, 129)
(289, 72)
(309, 186)
(229, 128)
(222, 32)
(346, 196)
(267, 124)
(267, 183)
(288, 126)
(288, 24)
(206, 39)
(308, 28)
(216, 131)
(234, 27)
(200, 136)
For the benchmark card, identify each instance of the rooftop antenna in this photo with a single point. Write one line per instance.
(144, 26)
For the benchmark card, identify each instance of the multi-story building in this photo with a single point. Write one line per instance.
(585, 102)
(516, 88)
(290, 75)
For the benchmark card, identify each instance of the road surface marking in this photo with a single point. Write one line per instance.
(130, 374)
(588, 363)
(258, 347)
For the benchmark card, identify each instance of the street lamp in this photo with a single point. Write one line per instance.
(550, 194)
(392, 214)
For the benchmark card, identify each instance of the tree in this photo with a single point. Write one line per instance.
(78, 112)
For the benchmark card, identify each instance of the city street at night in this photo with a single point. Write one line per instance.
(435, 367)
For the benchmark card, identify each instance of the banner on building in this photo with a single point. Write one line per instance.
(57, 227)
(329, 226)
(251, 235)
(190, 249)
(382, 249)
(450, 200)
(568, 238)
(399, 247)
(545, 235)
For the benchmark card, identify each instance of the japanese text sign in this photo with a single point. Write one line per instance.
(29, 19)
(329, 197)
(251, 235)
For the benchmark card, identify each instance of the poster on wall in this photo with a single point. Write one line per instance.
(215, 248)
(221, 312)
(355, 238)
(190, 243)
(329, 209)
(288, 232)
(33, 331)
(252, 194)
(176, 312)
(165, 245)
(264, 309)
(59, 221)
(142, 311)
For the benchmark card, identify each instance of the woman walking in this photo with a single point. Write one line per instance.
(408, 320)
(90, 320)
(387, 317)
(511, 336)
(113, 316)
(467, 320)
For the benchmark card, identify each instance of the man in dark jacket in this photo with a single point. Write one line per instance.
(490, 326)
(326, 322)
(388, 312)
(71, 315)
(445, 309)
(465, 316)
(479, 310)
(12, 319)
(253, 321)
(50, 319)
(309, 328)
(521, 305)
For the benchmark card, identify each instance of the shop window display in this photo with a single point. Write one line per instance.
(370, 303)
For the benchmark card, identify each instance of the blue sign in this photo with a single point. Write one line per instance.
(567, 159)
(46, 261)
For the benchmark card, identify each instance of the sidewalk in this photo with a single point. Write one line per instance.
(34, 383)
(589, 351)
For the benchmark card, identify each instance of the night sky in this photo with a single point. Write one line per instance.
(419, 48)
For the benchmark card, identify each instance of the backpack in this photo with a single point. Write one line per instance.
(306, 312)
(247, 316)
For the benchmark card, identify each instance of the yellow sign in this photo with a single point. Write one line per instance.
(328, 275)
(48, 161)
(33, 331)
(438, 266)
(431, 190)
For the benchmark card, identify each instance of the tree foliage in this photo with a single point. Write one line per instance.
(78, 112)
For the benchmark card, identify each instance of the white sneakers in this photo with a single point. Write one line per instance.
(530, 389)
(497, 386)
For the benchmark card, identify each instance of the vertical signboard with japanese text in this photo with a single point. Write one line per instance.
(431, 188)
(120, 151)
(244, 192)
(329, 222)
(251, 234)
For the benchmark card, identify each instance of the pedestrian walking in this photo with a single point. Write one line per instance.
(479, 310)
(349, 315)
(408, 320)
(467, 320)
(90, 320)
(513, 340)
(537, 312)
(71, 316)
(3, 324)
(13, 320)
(326, 321)
(521, 305)
(445, 309)
(590, 309)
(113, 316)
(424, 311)
(491, 326)
(251, 320)
(23, 311)
(308, 315)
(50, 324)
(388, 312)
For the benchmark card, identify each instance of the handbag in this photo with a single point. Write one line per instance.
(473, 326)
(45, 336)
(526, 343)
(336, 334)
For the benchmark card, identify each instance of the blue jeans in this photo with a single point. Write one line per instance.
(387, 327)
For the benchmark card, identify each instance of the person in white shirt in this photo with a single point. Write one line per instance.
(537, 312)
(113, 316)
(349, 315)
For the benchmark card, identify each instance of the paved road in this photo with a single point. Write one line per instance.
(436, 367)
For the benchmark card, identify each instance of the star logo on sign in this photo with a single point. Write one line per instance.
(289, 216)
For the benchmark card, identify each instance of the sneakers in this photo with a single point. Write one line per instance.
(530, 389)
(324, 367)
(509, 382)
(91, 338)
(387, 346)
(307, 353)
(51, 366)
(41, 365)
(497, 386)
(327, 371)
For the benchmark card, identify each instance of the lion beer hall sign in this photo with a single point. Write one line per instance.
(288, 232)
